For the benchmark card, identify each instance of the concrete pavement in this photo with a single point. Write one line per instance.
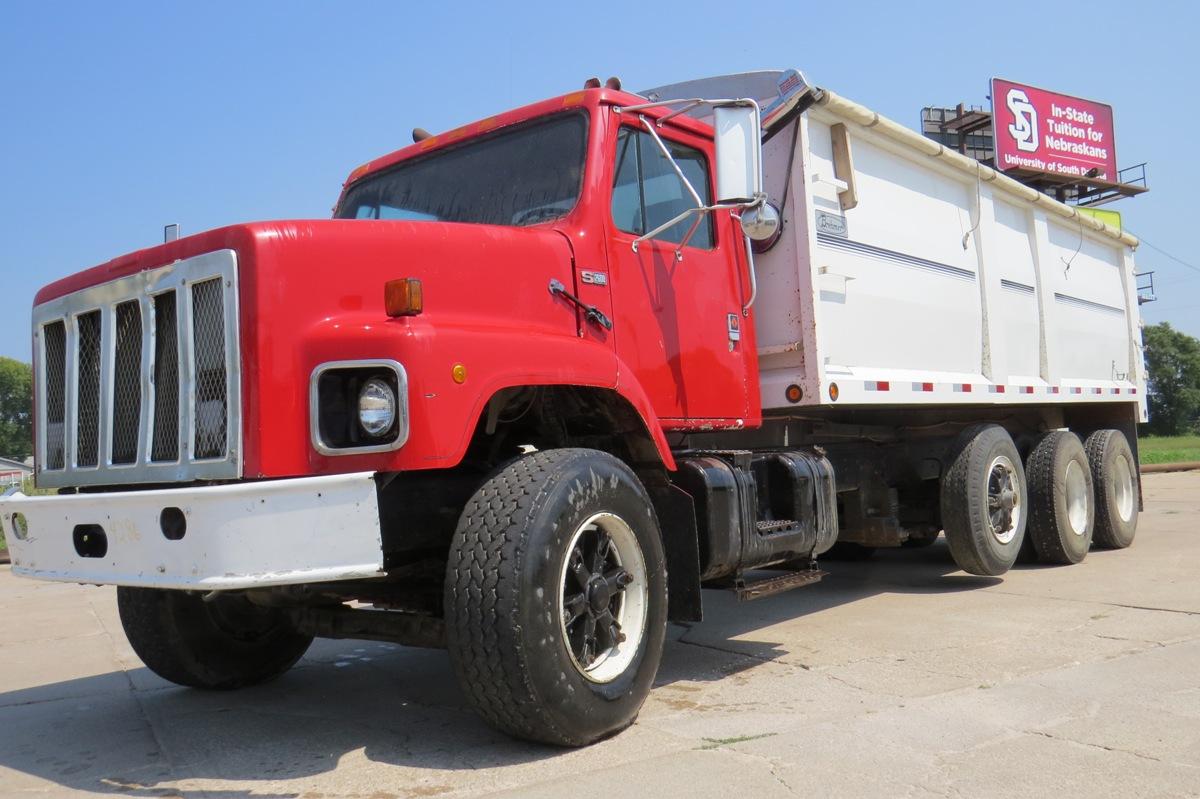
(896, 677)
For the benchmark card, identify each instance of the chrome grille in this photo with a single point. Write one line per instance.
(166, 379)
(139, 379)
(87, 447)
(54, 389)
(127, 383)
(208, 331)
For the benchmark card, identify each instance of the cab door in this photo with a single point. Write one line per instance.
(678, 324)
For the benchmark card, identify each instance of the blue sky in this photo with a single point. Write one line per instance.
(120, 117)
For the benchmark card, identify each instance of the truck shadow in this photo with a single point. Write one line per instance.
(129, 733)
(730, 626)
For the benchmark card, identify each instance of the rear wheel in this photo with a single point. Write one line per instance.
(1061, 506)
(984, 501)
(1115, 481)
(556, 597)
(227, 642)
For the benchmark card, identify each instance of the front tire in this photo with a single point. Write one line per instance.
(556, 597)
(984, 501)
(221, 644)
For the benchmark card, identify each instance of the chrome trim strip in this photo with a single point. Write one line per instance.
(1013, 285)
(903, 259)
(1079, 302)
(141, 286)
(314, 421)
(146, 415)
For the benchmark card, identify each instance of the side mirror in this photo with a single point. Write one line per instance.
(762, 226)
(739, 152)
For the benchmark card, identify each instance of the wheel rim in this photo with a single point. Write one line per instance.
(1123, 488)
(602, 598)
(1004, 504)
(1077, 498)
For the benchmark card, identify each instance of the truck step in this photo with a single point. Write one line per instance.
(758, 589)
(775, 526)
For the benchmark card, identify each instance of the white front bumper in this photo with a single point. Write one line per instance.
(240, 535)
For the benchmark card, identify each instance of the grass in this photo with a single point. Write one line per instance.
(1169, 449)
(717, 743)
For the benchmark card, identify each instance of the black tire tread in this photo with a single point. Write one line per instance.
(159, 629)
(956, 485)
(1043, 527)
(490, 535)
(1097, 447)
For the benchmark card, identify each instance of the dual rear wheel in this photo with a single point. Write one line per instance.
(1066, 495)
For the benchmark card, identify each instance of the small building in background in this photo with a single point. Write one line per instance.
(12, 472)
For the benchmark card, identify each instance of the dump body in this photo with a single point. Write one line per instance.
(908, 274)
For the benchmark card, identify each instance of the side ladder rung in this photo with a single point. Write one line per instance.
(758, 589)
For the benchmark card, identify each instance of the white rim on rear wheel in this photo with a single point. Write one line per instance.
(602, 597)
(1004, 506)
(1122, 478)
(1077, 498)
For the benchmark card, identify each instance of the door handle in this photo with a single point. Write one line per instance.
(591, 312)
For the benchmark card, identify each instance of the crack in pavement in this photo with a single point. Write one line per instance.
(759, 658)
(1100, 746)
(772, 768)
(1099, 602)
(71, 697)
(172, 768)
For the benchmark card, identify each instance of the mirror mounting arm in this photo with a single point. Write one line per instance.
(670, 223)
(671, 160)
(750, 269)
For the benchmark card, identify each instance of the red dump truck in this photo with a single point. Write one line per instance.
(544, 377)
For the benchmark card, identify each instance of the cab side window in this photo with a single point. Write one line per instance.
(647, 192)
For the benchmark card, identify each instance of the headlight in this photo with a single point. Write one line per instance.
(358, 407)
(376, 407)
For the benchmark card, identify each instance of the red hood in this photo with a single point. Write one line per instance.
(235, 237)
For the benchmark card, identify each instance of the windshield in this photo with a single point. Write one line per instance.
(519, 176)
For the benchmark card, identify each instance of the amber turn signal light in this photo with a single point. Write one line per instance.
(403, 297)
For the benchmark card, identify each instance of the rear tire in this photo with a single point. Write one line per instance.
(548, 553)
(1115, 480)
(984, 501)
(1062, 509)
(222, 644)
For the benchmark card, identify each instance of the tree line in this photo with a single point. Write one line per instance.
(1172, 379)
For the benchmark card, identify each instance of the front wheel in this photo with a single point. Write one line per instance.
(556, 597)
(224, 643)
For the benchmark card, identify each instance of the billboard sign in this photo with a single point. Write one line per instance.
(1049, 132)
